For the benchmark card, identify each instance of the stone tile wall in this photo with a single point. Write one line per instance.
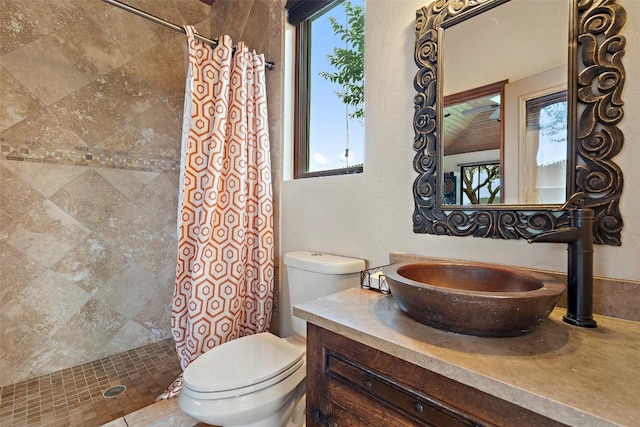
(90, 121)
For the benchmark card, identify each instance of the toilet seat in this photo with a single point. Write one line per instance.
(242, 366)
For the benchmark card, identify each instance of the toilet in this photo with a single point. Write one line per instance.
(258, 380)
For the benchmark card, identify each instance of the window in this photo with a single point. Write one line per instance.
(329, 56)
(480, 184)
(545, 148)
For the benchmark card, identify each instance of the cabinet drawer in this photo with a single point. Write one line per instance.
(388, 391)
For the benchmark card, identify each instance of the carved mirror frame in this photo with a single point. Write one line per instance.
(595, 82)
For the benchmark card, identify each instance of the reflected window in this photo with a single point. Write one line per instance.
(480, 184)
(545, 149)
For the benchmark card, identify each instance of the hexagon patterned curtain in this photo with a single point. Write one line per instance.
(225, 272)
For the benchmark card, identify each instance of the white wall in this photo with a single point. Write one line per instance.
(369, 215)
(516, 23)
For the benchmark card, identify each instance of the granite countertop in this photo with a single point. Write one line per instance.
(574, 375)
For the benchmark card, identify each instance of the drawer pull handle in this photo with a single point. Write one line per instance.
(418, 407)
(368, 383)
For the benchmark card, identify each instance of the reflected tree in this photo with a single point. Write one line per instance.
(481, 183)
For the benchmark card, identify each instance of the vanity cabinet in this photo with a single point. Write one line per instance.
(351, 384)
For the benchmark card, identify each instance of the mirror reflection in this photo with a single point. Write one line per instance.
(473, 139)
(504, 121)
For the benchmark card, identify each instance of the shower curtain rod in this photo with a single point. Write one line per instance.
(174, 27)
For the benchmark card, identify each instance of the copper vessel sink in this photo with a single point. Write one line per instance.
(473, 298)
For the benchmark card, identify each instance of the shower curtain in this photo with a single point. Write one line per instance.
(225, 271)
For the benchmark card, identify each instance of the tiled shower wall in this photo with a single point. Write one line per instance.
(90, 121)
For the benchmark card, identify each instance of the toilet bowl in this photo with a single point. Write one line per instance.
(258, 380)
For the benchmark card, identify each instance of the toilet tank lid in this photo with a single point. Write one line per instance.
(317, 262)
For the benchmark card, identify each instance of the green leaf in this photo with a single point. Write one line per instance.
(348, 62)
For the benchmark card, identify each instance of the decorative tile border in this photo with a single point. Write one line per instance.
(29, 151)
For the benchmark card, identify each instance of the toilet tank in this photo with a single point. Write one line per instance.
(312, 275)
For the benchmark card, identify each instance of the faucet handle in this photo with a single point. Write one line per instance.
(576, 201)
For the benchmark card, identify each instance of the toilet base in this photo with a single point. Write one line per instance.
(277, 419)
(287, 416)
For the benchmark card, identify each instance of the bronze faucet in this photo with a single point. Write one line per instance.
(579, 236)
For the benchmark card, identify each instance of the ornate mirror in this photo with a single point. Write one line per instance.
(511, 121)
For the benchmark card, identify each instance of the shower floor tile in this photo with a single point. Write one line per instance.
(74, 396)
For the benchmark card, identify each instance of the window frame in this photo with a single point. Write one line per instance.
(301, 106)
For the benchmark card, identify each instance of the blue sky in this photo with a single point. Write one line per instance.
(328, 115)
